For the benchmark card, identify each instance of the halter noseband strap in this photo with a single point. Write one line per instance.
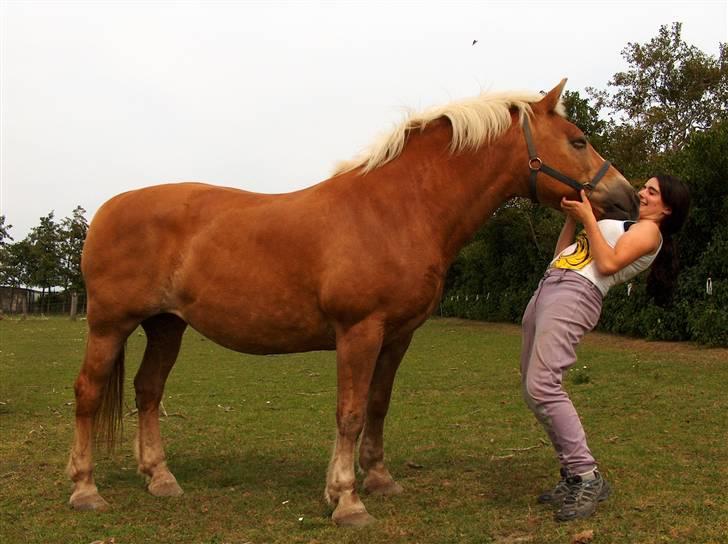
(536, 165)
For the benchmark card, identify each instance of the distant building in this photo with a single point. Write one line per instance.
(11, 299)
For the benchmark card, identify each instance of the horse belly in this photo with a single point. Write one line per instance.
(262, 328)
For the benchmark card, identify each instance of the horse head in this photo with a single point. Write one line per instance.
(562, 161)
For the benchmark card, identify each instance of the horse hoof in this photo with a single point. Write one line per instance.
(384, 489)
(357, 518)
(88, 501)
(165, 488)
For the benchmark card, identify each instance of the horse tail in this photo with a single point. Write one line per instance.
(108, 419)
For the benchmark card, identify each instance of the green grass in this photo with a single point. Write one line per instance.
(249, 440)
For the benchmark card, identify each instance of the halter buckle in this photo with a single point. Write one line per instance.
(535, 164)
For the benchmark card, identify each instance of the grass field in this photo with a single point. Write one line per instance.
(249, 440)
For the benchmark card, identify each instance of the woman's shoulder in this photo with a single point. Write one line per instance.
(646, 226)
(649, 231)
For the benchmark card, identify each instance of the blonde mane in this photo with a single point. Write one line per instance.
(475, 121)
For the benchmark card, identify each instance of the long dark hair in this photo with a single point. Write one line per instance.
(663, 275)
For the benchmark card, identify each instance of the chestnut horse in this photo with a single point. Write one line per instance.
(355, 263)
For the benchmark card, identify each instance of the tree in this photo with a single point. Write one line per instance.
(6, 271)
(14, 267)
(72, 236)
(670, 90)
(50, 256)
(585, 116)
(3, 256)
(44, 264)
(14, 260)
(4, 232)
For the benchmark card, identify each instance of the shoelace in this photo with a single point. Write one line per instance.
(562, 488)
(579, 489)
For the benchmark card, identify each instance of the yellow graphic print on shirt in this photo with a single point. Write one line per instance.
(580, 257)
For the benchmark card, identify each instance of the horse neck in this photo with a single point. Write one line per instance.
(452, 196)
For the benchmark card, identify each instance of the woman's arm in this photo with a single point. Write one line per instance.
(641, 239)
(566, 237)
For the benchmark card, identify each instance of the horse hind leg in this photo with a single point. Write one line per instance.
(98, 391)
(164, 337)
(377, 479)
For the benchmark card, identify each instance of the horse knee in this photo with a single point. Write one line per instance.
(351, 424)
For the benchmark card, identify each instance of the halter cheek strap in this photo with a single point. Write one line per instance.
(536, 165)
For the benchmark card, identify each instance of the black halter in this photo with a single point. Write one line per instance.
(536, 165)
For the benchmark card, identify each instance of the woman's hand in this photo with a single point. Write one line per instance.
(579, 211)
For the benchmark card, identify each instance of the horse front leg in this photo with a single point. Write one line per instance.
(357, 349)
(377, 479)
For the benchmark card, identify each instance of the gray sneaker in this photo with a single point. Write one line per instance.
(556, 495)
(583, 496)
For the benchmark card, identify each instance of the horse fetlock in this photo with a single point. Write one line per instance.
(380, 482)
(151, 470)
(154, 470)
(336, 489)
(72, 469)
(150, 460)
(339, 482)
(332, 494)
(80, 474)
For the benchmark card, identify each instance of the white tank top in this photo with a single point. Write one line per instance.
(578, 258)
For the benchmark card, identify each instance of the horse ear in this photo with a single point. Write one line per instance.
(551, 100)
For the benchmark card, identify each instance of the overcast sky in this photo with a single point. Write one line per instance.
(98, 97)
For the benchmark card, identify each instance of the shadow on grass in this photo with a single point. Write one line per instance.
(286, 474)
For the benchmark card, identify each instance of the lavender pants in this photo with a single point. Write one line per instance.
(564, 308)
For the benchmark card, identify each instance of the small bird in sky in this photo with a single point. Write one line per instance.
(475, 41)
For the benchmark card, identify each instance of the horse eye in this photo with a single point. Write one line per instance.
(579, 143)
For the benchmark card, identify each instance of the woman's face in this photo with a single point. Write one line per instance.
(651, 204)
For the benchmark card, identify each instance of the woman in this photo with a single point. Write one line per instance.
(568, 303)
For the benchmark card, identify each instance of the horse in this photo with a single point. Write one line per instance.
(355, 263)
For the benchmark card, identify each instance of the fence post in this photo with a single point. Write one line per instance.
(25, 304)
(74, 305)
